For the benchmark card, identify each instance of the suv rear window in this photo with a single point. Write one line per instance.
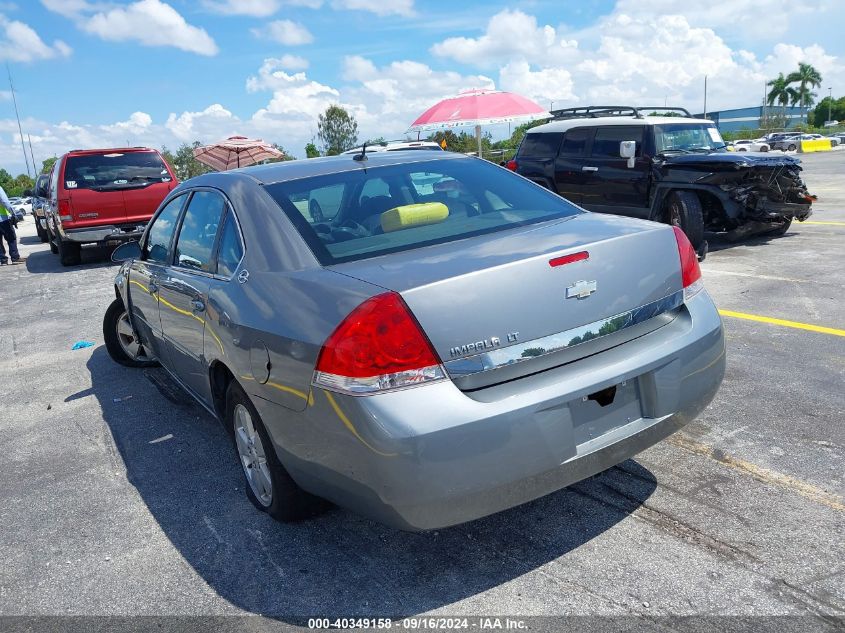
(117, 170)
(540, 145)
(417, 204)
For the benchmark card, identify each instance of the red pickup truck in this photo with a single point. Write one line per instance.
(99, 196)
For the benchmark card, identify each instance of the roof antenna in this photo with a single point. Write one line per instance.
(363, 155)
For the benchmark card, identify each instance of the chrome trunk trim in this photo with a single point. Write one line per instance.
(539, 347)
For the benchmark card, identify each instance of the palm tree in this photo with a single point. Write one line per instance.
(806, 77)
(780, 93)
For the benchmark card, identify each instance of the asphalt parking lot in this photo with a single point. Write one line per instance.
(119, 496)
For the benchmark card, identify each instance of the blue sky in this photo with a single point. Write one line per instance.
(103, 72)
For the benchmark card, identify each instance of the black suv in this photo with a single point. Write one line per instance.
(674, 169)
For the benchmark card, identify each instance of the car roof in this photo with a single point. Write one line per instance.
(110, 150)
(311, 167)
(567, 124)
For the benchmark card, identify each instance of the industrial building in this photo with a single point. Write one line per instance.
(749, 118)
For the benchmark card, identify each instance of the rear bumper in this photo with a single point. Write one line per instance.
(433, 456)
(107, 233)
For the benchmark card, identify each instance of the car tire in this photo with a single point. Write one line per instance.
(42, 233)
(791, 148)
(70, 253)
(764, 149)
(51, 240)
(683, 209)
(268, 485)
(120, 339)
(783, 228)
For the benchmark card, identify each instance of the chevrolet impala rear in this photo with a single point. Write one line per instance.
(510, 343)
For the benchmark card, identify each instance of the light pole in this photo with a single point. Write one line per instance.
(830, 105)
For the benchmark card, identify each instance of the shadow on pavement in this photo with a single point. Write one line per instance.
(183, 465)
(44, 261)
(716, 242)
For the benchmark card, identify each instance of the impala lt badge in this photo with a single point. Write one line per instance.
(581, 289)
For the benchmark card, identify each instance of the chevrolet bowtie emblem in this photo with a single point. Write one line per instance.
(581, 289)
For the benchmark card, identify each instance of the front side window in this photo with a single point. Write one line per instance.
(230, 251)
(575, 142)
(607, 139)
(423, 203)
(195, 244)
(161, 231)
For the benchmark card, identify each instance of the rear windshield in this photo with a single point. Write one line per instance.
(114, 171)
(368, 212)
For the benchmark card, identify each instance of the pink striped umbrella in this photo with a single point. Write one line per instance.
(474, 108)
(234, 152)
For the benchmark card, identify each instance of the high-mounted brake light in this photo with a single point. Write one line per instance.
(690, 272)
(569, 259)
(511, 164)
(379, 346)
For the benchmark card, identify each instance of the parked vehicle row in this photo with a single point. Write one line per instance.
(670, 169)
(321, 309)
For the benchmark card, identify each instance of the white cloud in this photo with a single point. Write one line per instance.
(20, 43)
(150, 22)
(285, 32)
(292, 62)
(509, 35)
(543, 86)
(379, 7)
(206, 125)
(254, 8)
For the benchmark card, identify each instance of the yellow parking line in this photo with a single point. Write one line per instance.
(826, 223)
(795, 324)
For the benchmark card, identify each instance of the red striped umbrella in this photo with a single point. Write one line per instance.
(234, 152)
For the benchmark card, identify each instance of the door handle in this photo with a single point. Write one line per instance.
(198, 305)
(153, 287)
(585, 168)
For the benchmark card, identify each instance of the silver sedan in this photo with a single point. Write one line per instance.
(425, 339)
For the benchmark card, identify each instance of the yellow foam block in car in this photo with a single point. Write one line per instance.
(409, 215)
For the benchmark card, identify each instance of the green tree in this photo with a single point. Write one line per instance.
(337, 130)
(284, 158)
(780, 93)
(47, 165)
(311, 151)
(807, 78)
(836, 108)
(184, 163)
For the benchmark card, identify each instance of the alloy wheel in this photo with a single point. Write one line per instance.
(252, 455)
(128, 341)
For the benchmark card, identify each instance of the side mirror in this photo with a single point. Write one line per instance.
(628, 149)
(126, 251)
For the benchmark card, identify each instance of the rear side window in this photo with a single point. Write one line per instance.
(540, 145)
(422, 203)
(199, 230)
(575, 141)
(114, 171)
(606, 142)
(230, 251)
(161, 232)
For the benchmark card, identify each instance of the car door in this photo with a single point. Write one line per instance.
(183, 290)
(612, 186)
(570, 177)
(145, 276)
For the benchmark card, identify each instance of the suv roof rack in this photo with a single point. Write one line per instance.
(593, 112)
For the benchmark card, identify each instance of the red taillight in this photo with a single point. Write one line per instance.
(65, 213)
(378, 346)
(690, 272)
(511, 164)
(568, 259)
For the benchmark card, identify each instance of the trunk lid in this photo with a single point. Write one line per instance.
(95, 208)
(476, 297)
